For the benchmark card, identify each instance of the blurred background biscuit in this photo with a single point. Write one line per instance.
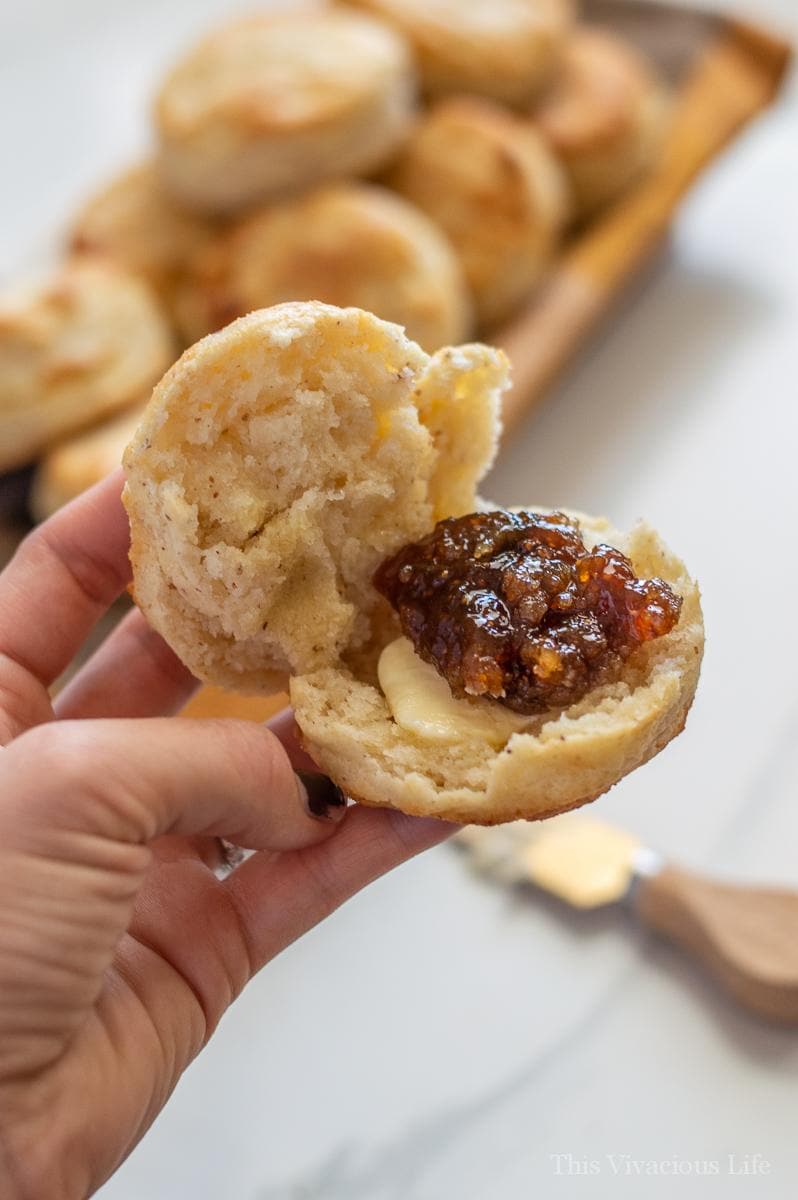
(506, 49)
(489, 180)
(133, 221)
(80, 462)
(350, 244)
(604, 117)
(92, 341)
(276, 103)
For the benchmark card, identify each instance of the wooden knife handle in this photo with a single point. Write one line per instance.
(746, 936)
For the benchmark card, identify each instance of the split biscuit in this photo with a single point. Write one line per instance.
(278, 464)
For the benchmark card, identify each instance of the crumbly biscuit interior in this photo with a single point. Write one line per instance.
(279, 463)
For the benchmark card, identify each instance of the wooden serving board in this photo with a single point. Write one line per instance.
(723, 73)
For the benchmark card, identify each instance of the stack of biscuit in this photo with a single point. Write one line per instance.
(419, 159)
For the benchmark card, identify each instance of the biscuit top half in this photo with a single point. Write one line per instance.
(278, 463)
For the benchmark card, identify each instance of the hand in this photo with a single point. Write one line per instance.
(120, 948)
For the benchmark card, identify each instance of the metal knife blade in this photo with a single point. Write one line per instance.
(584, 862)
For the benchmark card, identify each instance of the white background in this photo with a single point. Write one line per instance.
(437, 1039)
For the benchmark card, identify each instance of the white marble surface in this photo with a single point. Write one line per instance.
(436, 1039)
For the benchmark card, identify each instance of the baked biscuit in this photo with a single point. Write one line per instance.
(346, 244)
(605, 117)
(278, 464)
(134, 222)
(504, 49)
(93, 341)
(275, 103)
(489, 180)
(81, 461)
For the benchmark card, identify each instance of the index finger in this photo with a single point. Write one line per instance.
(63, 577)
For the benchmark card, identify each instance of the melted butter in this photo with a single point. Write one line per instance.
(421, 702)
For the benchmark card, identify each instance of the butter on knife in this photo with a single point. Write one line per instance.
(746, 937)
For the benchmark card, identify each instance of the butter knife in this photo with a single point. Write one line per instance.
(746, 937)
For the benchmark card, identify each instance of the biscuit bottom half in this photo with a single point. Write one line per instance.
(563, 759)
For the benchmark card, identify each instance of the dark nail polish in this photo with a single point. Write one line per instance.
(324, 796)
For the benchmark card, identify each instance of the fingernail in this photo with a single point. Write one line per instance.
(325, 799)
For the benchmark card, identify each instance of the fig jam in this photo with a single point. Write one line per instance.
(515, 607)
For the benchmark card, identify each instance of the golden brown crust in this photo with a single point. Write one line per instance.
(277, 102)
(488, 179)
(349, 244)
(604, 116)
(89, 343)
(465, 815)
(504, 49)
